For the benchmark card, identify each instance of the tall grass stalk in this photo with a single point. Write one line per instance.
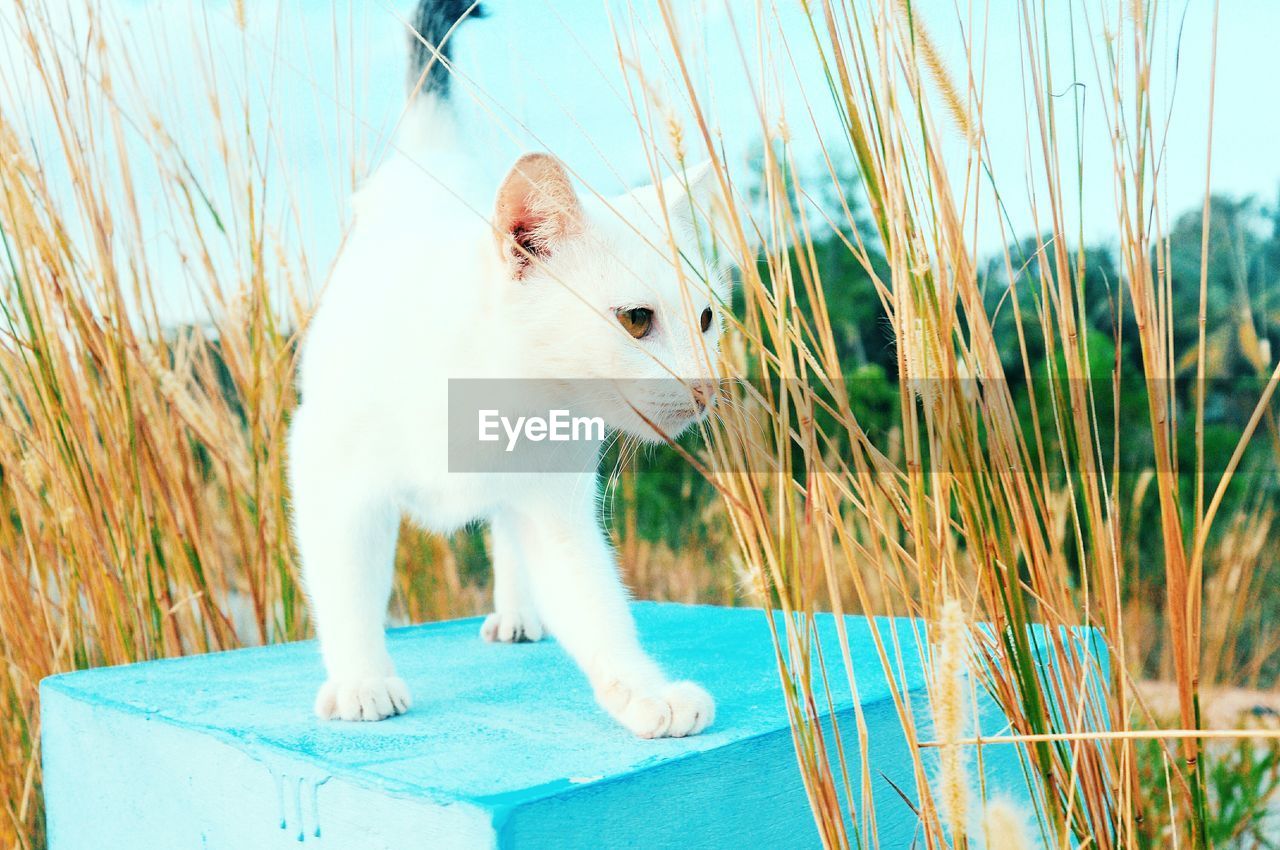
(143, 482)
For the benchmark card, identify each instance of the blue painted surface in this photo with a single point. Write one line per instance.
(504, 747)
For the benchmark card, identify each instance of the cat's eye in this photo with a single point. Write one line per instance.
(706, 320)
(637, 320)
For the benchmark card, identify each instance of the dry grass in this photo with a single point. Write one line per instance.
(1018, 522)
(143, 483)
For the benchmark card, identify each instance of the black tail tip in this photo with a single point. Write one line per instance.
(432, 23)
(450, 12)
(457, 8)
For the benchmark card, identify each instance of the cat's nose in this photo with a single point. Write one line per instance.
(703, 391)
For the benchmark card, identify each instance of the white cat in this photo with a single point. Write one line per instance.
(556, 286)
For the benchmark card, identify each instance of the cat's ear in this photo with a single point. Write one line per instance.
(690, 193)
(695, 204)
(537, 209)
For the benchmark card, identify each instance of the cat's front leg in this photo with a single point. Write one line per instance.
(346, 535)
(584, 604)
(515, 618)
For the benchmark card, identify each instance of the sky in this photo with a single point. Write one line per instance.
(325, 85)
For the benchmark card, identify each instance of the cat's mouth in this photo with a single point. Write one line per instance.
(659, 422)
(677, 422)
(679, 412)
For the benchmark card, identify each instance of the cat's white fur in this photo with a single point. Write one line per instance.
(426, 290)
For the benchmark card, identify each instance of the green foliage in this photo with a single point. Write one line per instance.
(1244, 788)
(668, 501)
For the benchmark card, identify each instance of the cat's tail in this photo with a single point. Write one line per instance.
(431, 48)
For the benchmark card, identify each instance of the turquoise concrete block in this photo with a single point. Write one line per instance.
(504, 747)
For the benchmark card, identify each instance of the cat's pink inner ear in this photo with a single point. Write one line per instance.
(537, 209)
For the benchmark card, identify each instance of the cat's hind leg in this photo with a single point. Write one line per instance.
(514, 618)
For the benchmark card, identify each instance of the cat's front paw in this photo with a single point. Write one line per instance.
(506, 627)
(368, 698)
(672, 710)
